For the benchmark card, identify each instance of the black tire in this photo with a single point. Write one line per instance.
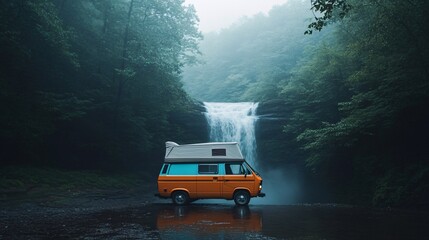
(241, 198)
(180, 198)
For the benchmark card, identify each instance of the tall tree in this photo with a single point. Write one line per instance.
(68, 63)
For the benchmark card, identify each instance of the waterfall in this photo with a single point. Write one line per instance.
(234, 122)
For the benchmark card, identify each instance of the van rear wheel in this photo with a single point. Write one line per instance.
(241, 198)
(180, 198)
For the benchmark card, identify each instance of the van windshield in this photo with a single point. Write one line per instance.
(248, 165)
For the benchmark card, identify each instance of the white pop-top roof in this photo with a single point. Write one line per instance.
(203, 152)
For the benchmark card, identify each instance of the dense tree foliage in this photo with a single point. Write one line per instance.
(330, 11)
(352, 98)
(94, 84)
(379, 144)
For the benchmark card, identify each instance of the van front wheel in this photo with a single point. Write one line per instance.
(241, 198)
(180, 198)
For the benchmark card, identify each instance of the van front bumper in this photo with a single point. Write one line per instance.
(261, 195)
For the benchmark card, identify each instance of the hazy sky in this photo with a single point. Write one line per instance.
(217, 14)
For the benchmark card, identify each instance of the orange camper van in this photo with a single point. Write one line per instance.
(207, 170)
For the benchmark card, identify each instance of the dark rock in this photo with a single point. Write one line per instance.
(273, 144)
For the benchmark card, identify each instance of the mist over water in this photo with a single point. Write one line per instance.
(235, 122)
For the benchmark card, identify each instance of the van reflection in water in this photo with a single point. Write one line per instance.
(198, 221)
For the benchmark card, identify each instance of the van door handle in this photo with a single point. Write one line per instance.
(215, 178)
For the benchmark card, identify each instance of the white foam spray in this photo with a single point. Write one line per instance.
(234, 122)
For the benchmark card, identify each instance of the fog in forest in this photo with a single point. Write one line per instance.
(247, 60)
(90, 91)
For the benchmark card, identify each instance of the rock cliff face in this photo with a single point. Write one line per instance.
(280, 158)
(274, 146)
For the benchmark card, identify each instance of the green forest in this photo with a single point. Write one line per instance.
(102, 84)
(350, 92)
(94, 84)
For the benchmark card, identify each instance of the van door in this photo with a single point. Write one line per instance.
(209, 181)
(237, 176)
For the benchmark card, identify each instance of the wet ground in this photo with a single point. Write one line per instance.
(132, 216)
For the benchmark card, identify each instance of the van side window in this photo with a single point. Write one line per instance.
(182, 169)
(208, 169)
(234, 169)
(164, 170)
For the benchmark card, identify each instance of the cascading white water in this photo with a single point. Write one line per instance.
(234, 122)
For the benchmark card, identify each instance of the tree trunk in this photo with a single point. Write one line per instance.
(124, 55)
